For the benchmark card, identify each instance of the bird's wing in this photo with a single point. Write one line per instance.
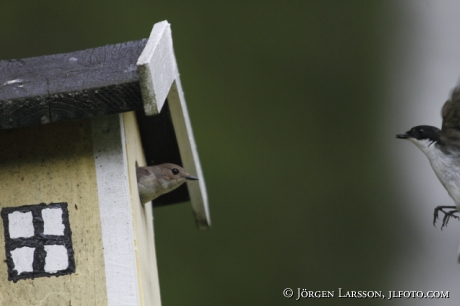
(451, 111)
(451, 117)
(141, 172)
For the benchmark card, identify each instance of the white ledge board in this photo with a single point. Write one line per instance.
(159, 79)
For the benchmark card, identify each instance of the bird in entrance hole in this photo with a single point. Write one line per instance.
(153, 181)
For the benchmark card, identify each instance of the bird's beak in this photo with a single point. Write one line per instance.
(402, 136)
(191, 177)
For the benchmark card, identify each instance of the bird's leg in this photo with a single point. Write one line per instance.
(440, 208)
(447, 214)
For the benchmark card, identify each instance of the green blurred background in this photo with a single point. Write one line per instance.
(287, 101)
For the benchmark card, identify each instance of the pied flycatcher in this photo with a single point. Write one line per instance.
(442, 147)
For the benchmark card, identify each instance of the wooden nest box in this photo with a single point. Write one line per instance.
(73, 129)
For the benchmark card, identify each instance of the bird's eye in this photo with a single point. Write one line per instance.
(175, 171)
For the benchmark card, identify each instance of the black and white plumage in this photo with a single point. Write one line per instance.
(442, 147)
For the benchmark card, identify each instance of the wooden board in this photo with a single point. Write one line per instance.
(118, 237)
(68, 86)
(157, 68)
(159, 79)
(189, 153)
(54, 163)
(142, 217)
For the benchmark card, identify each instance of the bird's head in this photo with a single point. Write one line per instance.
(153, 181)
(423, 136)
(172, 175)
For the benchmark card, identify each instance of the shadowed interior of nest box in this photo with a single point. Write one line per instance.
(160, 146)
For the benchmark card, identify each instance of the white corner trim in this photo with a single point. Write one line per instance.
(115, 210)
(157, 68)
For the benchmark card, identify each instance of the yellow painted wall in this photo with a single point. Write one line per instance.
(142, 218)
(54, 163)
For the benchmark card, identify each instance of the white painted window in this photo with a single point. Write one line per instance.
(38, 241)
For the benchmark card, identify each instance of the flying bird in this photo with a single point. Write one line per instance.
(442, 147)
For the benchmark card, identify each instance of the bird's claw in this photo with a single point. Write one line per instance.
(447, 214)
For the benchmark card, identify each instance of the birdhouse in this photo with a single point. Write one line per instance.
(73, 129)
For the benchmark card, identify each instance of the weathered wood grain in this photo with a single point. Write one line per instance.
(68, 86)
